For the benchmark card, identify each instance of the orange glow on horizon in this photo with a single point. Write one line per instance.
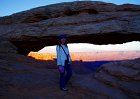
(42, 56)
(90, 56)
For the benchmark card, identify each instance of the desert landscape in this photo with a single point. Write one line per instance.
(27, 74)
(90, 56)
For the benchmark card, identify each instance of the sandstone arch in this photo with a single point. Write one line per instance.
(83, 21)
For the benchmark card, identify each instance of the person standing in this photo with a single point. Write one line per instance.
(63, 62)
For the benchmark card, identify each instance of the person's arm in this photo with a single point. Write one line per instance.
(59, 62)
(69, 57)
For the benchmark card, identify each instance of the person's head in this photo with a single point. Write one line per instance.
(62, 39)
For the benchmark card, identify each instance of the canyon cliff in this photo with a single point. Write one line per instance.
(90, 56)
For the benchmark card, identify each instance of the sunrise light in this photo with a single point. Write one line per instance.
(91, 52)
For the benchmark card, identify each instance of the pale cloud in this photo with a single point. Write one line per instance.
(86, 47)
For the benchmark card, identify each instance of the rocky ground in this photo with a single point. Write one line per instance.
(22, 77)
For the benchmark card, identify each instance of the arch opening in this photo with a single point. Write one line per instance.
(29, 43)
(92, 52)
(89, 57)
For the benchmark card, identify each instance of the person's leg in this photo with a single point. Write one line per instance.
(62, 79)
(68, 74)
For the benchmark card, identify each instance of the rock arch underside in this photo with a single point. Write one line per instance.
(88, 22)
(83, 22)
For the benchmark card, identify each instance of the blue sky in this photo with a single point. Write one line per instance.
(8, 7)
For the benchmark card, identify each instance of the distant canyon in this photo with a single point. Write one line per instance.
(90, 56)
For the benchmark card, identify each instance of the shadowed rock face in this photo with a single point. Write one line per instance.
(83, 21)
(24, 47)
(115, 80)
(22, 76)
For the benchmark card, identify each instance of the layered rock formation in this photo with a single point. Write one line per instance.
(6, 46)
(100, 22)
(117, 80)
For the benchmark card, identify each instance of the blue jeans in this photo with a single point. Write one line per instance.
(65, 76)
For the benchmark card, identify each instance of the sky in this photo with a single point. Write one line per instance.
(8, 7)
(86, 47)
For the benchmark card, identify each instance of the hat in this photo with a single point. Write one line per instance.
(62, 36)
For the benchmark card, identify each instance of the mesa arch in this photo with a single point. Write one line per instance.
(83, 22)
(24, 47)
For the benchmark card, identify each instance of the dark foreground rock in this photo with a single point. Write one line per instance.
(25, 78)
(116, 80)
(22, 77)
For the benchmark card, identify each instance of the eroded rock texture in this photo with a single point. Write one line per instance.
(115, 80)
(82, 21)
